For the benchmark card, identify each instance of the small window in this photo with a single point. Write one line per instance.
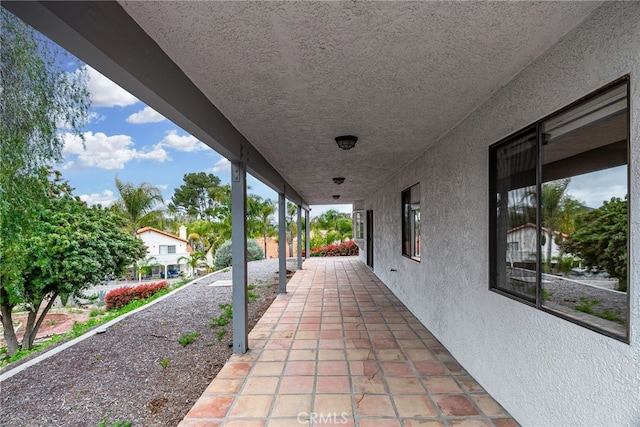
(358, 221)
(559, 213)
(411, 222)
(167, 249)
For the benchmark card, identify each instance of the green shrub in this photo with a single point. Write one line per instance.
(223, 254)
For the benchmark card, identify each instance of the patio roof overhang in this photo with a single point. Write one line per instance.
(273, 83)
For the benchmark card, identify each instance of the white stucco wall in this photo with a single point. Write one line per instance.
(544, 370)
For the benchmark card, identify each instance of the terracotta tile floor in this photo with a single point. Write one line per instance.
(340, 349)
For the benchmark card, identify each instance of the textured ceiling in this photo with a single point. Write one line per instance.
(291, 76)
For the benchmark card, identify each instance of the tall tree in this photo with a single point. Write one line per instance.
(260, 219)
(72, 247)
(201, 195)
(292, 226)
(201, 235)
(600, 239)
(141, 205)
(38, 99)
(551, 200)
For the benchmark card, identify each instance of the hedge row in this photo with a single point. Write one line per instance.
(342, 249)
(122, 296)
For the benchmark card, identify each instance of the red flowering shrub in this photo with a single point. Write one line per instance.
(342, 249)
(122, 296)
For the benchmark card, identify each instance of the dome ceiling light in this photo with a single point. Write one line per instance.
(346, 142)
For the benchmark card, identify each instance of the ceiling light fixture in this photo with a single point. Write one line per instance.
(338, 180)
(336, 196)
(346, 142)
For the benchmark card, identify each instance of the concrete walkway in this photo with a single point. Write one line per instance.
(340, 349)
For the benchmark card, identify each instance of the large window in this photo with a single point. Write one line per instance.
(411, 222)
(559, 213)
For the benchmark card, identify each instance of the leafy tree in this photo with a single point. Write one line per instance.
(336, 227)
(140, 205)
(223, 255)
(38, 97)
(201, 196)
(72, 247)
(600, 239)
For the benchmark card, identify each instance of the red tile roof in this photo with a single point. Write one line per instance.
(145, 229)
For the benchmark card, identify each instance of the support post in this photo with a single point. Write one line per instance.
(307, 228)
(282, 243)
(239, 256)
(299, 237)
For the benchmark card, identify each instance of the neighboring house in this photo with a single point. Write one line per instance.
(521, 243)
(170, 253)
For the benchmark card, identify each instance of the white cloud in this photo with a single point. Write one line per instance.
(597, 187)
(94, 117)
(186, 143)
(105, 93)
(222, 165)
(146, 115)
(106, 198)
(157, 153)
(106, 152)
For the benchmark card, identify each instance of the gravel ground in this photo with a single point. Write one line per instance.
(137, 370)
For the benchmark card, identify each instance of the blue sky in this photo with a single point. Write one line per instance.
(128, 139)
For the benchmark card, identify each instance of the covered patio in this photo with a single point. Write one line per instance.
(428, 90)
(340, 349)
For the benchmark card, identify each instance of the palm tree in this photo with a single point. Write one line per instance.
(194, 260)
(292, 226)
(553, 194)
(552, 199)
(264, 217)
(140, 205)
(145, 266)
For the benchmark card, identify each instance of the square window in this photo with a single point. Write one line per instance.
(167, 249)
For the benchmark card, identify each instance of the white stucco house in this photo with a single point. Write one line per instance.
(460, 109)
(522, 241)
(168, 254)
